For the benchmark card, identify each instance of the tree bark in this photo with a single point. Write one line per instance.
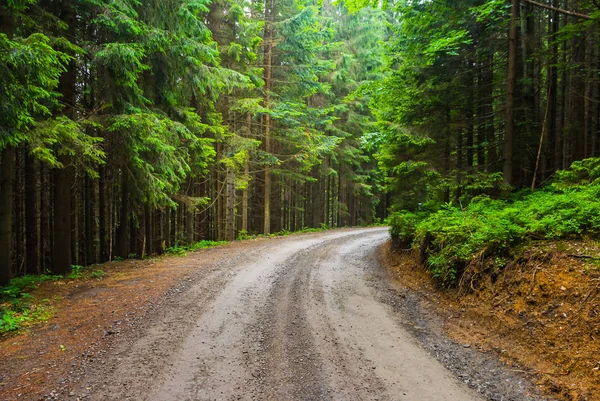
(509, 133)
(230, 207)
(559, 10)
(31, 216)
(102, 232)
(122, 234)
(6, 212)
(61, 256)
(63, 178)
(268, 86)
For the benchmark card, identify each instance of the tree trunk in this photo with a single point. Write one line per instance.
(102, 232)
(122, 234)
(576, 125)
(6, 212)
(511, 86)
(230, 207)
(552, 162)
(268, 86)
(63, 178)
(31, 216)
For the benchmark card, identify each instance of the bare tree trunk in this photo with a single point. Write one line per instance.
(268, 86)
(31, 216)
(509, 133)
(6, 212)
(577, 120)
(552, 95)
(102, 220)
(230, 208)
(63, 178)
(122, 234)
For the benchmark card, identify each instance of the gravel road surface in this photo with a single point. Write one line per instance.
(305, 317)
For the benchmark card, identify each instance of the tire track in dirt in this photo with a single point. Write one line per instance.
(298, 318)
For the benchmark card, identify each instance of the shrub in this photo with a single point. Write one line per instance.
(452, 237)
(402, 228)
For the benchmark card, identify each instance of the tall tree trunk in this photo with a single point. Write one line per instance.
(552, 157)
(122, 234)
(31, 216)
(482, 95)
(246, 195)
(268, 86)
(148, 232)
(576, 124)
(7, 165)
(230, 208)
(6, 212)
(459, 165)
(469, 126)
(63, 178)
(511, 86)
(18, 238)
(102, 220)
(46, 229)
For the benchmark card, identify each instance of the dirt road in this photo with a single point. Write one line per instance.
(307, 317)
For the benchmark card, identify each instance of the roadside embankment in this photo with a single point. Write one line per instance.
(540, 313)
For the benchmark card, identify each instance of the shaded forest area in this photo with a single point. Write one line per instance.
(130, 127)
(485, 97)
(490, 119)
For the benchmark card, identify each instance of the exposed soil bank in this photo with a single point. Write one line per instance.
(540, 314)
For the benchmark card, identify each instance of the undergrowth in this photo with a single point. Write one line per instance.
(18, 308)
(452, 237)
(243, 234)
(181, 250)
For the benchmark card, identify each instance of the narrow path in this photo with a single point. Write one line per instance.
(298, 318)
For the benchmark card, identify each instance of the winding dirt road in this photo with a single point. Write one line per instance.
(296, 318)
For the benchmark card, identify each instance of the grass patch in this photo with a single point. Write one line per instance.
(182, 250)
(19, 309)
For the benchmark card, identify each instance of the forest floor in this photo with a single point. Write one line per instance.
(540, 314)
(311, 316)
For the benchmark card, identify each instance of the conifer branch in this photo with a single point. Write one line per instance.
(559, 10)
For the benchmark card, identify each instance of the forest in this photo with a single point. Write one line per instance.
(130, 127)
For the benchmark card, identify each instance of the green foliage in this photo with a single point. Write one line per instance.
(58, 136)
(403, 225)
(97, 274)
(19, 286)
(453, 237)
(29, 72)
(243, 235)
(19, 309)
(76, 272)
(16, 307)
(182, 250)
(581, 172)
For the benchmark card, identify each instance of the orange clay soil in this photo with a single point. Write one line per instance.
(36, 361)
(541, 313)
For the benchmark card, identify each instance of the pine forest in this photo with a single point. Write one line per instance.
(129, 127)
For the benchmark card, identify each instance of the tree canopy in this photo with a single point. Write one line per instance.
(128, 128)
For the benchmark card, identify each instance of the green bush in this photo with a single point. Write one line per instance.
(403, 225)
(452, 237)
(15, 302)
(183, 249)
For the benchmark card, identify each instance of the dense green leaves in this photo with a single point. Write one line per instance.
(453, 237)
(29, 72)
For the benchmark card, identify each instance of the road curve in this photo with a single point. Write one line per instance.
(295, 318)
